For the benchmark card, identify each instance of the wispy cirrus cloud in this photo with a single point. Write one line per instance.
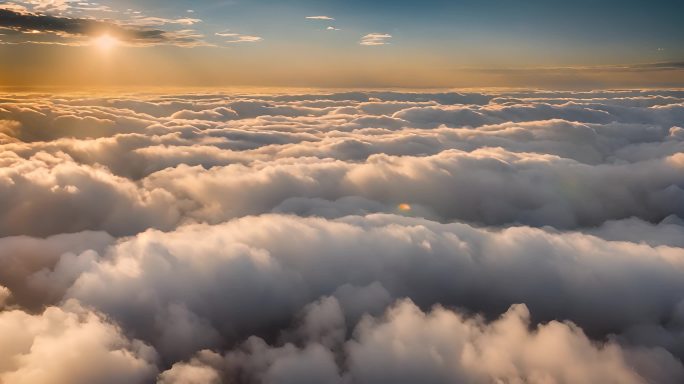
(233, 37)
(56, 7)
(150, 21)
(13, 7)
(372, 39)
(51, 5)
(320, 18)
(76, 31)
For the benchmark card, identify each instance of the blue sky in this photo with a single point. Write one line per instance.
(627, 26)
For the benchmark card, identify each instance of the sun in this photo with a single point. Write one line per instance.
(105, 42)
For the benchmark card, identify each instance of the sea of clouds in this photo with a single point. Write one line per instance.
(357, 237)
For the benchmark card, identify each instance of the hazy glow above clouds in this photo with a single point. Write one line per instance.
(433, 44)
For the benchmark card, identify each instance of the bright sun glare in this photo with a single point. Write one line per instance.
(105, 42)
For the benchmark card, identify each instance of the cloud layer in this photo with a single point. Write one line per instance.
(358, 237)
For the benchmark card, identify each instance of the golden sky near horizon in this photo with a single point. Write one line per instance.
(435, 45)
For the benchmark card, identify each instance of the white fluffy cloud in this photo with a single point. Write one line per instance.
(208, 286)
(351, 237)
(25, 264)
(71, 345)
(489, 186)
(4, 295)
(407, 345)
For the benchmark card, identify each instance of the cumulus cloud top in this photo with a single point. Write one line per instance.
(4, 295)
(355, 237)
(407, 345)
(70, 345)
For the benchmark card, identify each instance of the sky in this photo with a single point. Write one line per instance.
(341, 192)
(335, 43)
(342, 43)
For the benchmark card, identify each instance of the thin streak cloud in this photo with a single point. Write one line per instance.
(233, 37)
(373, 39)
(320, 18)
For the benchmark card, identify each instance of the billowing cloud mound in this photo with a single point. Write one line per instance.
(69, 345)
(407, 345)
(358, 237)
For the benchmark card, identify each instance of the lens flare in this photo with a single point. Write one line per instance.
(404, 207)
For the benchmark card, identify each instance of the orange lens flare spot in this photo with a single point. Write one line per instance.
(404, 207)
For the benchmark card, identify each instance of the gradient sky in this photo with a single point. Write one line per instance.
(350, 43)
